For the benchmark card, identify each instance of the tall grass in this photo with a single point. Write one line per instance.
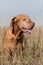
(33, 48)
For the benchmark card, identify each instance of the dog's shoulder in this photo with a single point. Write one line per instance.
(7, 34)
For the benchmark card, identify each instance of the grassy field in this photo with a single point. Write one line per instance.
(33, 53)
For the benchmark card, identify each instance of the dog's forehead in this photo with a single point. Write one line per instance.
(21, 16)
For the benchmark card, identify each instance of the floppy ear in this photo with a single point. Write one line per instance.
(14, 25)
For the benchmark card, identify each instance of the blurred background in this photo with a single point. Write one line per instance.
(10, 8)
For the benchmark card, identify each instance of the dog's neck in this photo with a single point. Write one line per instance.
(20, 38)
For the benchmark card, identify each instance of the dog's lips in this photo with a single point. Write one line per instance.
(27, 30)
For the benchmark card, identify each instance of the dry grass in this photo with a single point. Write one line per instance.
(33, 51)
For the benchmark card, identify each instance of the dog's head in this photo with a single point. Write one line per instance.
(22, 22)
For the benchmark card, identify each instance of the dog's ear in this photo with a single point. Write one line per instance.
(14, 19)
(14, 25)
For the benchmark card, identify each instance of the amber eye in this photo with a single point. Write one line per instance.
(23, 19)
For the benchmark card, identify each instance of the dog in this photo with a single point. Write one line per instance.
(14, 37)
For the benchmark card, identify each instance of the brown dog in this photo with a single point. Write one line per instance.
(13, 38)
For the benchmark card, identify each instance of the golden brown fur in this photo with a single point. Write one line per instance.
(13, 37)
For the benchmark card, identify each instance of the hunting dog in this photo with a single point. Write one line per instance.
(14, 37)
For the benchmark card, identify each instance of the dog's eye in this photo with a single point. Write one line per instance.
(24, 19)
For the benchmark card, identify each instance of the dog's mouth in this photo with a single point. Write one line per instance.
(27, 30)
